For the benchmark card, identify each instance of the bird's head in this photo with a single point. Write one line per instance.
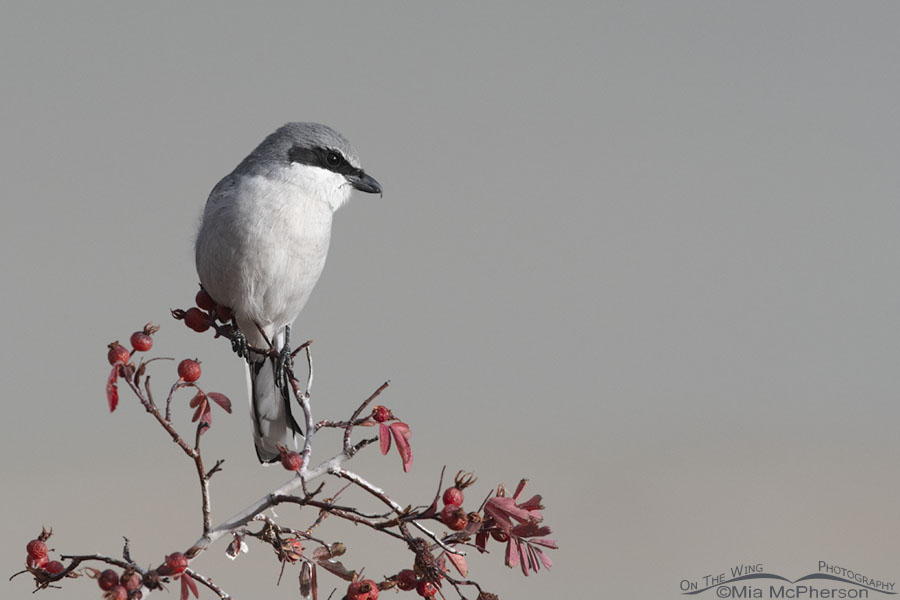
(315, 158)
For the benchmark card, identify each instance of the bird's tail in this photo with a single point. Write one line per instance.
(270, 411)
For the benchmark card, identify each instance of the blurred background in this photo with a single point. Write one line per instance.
(644, 254)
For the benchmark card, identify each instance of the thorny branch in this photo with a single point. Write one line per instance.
(503, 518)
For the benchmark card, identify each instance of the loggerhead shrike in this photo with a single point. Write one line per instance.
(262, 246)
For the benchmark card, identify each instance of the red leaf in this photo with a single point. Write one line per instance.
(532, 559)
(384, 438)
(222, 400)
(546, 543)
(544, 558)
(401, 436)
(481, 540)
(459, 562)
(112, 392)
(503, 509)
(197, 399)
(533, 503)
(202, 412)
(519, 488)
(523, 554)
(187, 583)
(512, 553)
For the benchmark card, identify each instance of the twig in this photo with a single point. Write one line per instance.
(347, 447)
(216, 468)
(194, 452)
(166, 424)
(204, 477)
(208, 583)
(379, 493)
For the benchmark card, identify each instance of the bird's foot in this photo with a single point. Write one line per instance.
(239, 341)
(283, 362)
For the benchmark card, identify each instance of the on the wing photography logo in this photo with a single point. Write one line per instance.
(754, 581)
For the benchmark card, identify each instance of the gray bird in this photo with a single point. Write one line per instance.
(262, 246)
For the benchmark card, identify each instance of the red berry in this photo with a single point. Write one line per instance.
(426, 589)
(118, 352)
(189, 370)
(224, 313)
(365, 589)
(453, 495)
(407, 579)
(117, 592)
(204, 300)
(36, 549)
(141, 342)
(290, 460)
(107, 580)
(176, 563)
(454, 517)
(196, 320)
(130, 580)
(381, 414)
(55, 567)
(36, 563)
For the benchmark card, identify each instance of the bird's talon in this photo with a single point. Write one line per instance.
(283, 361)
(239, 343)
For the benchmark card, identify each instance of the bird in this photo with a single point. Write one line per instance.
(261, 247)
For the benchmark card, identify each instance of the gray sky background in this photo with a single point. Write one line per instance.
(644, 254)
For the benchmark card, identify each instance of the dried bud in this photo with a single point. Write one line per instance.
(464, 480)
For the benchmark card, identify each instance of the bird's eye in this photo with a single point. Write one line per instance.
(334, 159)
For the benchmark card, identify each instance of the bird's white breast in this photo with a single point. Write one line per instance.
(262, 246)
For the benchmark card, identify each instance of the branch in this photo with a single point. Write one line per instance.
(347, 447)
(207, 582)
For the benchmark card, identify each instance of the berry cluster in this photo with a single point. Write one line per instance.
(204, 315)
(37, 559)
(407, 580)
(141, 341)
(120, 587)
(453, 515)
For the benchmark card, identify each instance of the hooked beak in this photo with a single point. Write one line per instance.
(364, 182)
